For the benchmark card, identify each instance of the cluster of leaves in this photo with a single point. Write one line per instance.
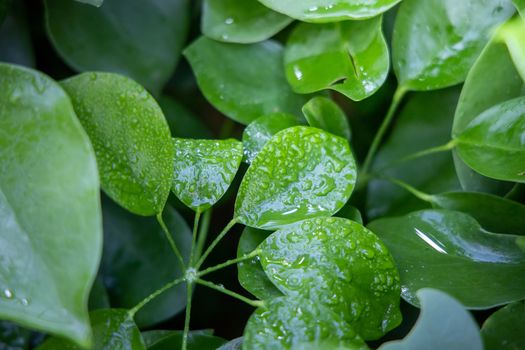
(321, 278)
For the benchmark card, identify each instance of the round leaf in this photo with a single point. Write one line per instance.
(50, 220)
(350, 57)
(204, 169)
(243, 81)
(302, 172)
(323, 113)
(505, 329)
(131, 139)
(341, 265)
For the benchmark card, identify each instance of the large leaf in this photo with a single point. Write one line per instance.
(443, 324)
(138, 260)
(302, 172)
(320, 11)
(131, 139)
(288, 322)
(493, 143)
(140, 39)
(113, 329)
(50, 217)
(505, 329)
(436, 41)
(243, 81)
(15, 39)
(323, 113)
(204, 169)
(350, 57)
(240, 21)
(448, 250)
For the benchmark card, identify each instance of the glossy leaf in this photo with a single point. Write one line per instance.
(436, 42)
(320, 11)
(229, 74)
(136, 38)
(138, 260)
(204, 169)
(250, 273)
(448, 250)
(513, 34)
(240, 21)
(196, 341)
(130, 136)
(493, 143)
(181, 121)
(15, 38)
(49, 196)
(339, 264)
(113, 329)
(288, 322)
(96, 3)
(349, 57)
(505, 329)
(302, 172)
(443, 324)
(323, 113)
(235, 344)
(258, 132)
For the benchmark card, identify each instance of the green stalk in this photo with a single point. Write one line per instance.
(203, 232)
(170, 240)
(254, 303)
(155, 294)
(229, 263)
(189, 297)
(215, 242)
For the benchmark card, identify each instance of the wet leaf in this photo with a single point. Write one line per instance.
(235, 344)
(49, 195)
(130, 136)
(240, 21)
(204, 169)
(350, 57)
(230, 73)
(341, 265)
(436, 42)
(448, 250)
(323, 113)
(302, 172)
(505, 329)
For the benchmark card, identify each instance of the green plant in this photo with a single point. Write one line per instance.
(439, 183)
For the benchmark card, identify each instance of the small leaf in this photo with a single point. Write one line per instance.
(204, 169)
(113, 329)
(302, 172)
(505, 329)
(341, 265)
(448, 250)
(443, 324)
(130, 136)
(323, 113)
(181, 121)
(436, 42)
(258, 132)
(196, 341)
(229, 74)
(288, 322)
(350, 57)
(320, 11)
(240, 21)
(493, 144)
(50, 219)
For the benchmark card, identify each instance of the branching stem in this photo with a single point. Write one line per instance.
(254, 303)
(215, 242)
(170, 240)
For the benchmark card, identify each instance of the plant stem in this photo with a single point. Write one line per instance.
(194, 236)
(189, 297)
(155, 294)
(203, 232)
(254, 303)
(419, 194)
(229, 263)
(442, 148)
(170, 240)
(215, 242)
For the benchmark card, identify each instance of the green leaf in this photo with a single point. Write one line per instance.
(493, 144)
(512, 33)
(302, 172)
(350, 57)
(98, 297)
(321, 11)
(323, 113)
(351, 213)
(443, 324)
(235, 344)
(181, 121)
(136, 38)
(339, 264)
(250, 273)
(288, 322)
(138, 260)
(153, 337)
(113, 329)
(448, 250)
(130, 136)
(258, 132)
(196, 341)
(240, 21)
(436, 42)
(15, 38)
(243, 82)
(204, 169)
(505, 329)
(96, 3)
(49, 207)
(520, 5)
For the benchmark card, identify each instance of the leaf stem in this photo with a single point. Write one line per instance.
(254, 303)
(203, 232)
(189, 299)
(155, 294)
(170, 240)
(215, 242)
(432, 150)
(229, 263)
(194, 236)
(419, 194)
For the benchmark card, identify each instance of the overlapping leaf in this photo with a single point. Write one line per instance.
(323, 113)
(505, 329)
